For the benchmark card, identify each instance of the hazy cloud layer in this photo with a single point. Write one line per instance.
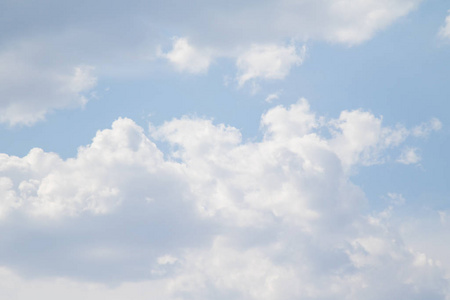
(45, 45)
(215, 218)
(29, 89)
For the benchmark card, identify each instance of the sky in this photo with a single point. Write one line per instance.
(226, 150)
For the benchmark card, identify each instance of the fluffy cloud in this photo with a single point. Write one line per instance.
(267, 62)
(214, 217)
(184, 57)
(42, 48)
(360, 138)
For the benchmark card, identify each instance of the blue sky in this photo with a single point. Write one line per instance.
(258, 150)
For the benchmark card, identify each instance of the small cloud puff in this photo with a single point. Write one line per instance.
(272, 97)
(444, 31)
(396, 199)
(409, 156)
(186, 58)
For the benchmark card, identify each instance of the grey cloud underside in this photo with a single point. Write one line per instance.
(209, 21)
(216, 217)
(111, 249)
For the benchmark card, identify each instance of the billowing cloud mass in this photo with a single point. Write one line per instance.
(213, 218)
(45, 44)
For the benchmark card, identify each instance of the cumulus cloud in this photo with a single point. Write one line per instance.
(185, 57)
(360, 138)
(444, 31)
(215, 217)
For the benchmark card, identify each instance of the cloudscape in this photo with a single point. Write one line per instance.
(225, 150)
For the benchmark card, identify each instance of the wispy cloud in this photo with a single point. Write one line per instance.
(268, 62)
(444, 31)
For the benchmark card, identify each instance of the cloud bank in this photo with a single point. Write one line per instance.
(213, 218)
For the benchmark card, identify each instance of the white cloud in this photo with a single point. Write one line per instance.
(167, 259)
(409, 156)
(426, 128)
(357, 21)
(8, 196)
(271, 97)
(267, 62)
(396, 199)
(50, 186)
(184, 57)
(360, 138)
(444, 31)
(273, 219)
(282, 123)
